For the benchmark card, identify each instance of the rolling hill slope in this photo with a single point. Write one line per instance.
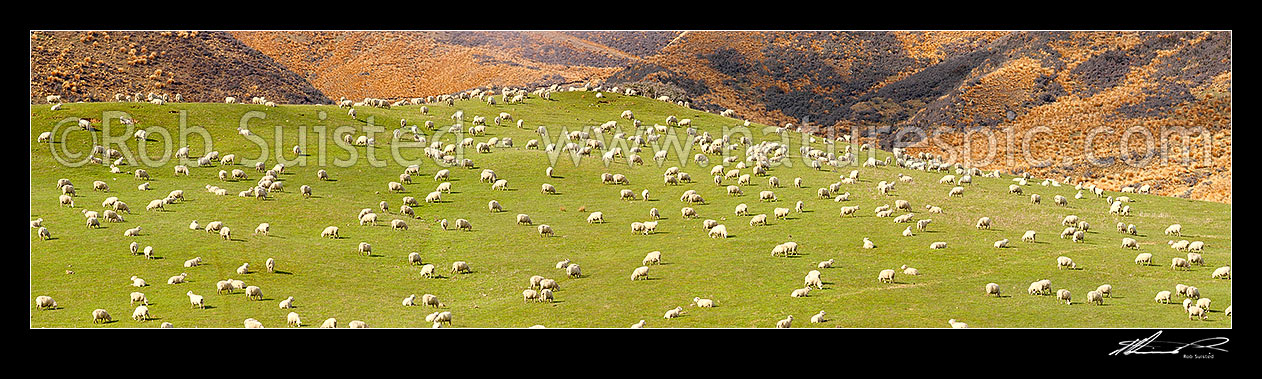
(200, 66)
(329, 279)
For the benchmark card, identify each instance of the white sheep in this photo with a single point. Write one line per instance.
(785, 323)
(1143, 259)
(992, 289)
(1222, 273)
(886, 276)
(641, 272)
(1065, 262)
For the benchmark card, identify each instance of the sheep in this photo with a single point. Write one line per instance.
(225, 233)
(845, 211)
(460, 267)
(545, 230)
(1063, 294)
(938, 245)
(434, 197)
(99, 315)
(767, 196)
(1195, 312)
(1174, 229)
(956, 192)
(785, 323)
(719, 231)
(330, 232)
(801, 292)
(1143, 259)
(329, 324)
(813, 279)
(141, 313)
(1176, 263)
(1130, 243)
(254, 292)
(992, 289)
(427, 271)
(1222, 273)
(1065, 262)
(1029, 236)
(1162, 297)
(956, 324)
(135, 297)
(654, 214)
(673, 313)
(1181, 289)
(180, 278)
(886, 276)
(760, 219)
(1197, 246)
(641, 272)
(1203, 303)
(702, 303)
(826, 264)
(1195, 258)
(1104, 289)
(364, 248)
(398, 224)
(654, 257)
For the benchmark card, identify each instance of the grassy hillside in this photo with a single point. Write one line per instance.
(327, 278)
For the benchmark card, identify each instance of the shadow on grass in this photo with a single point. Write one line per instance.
(282, 272)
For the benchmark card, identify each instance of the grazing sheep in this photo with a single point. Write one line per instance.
(1095, 297)
(460, 267)
(1063, 262)
(100, 315)
(1063, 294)
(654, 257)
(886, 276)
(992, 289)
(1162, 297)
(1104, 290)
(135, 297)
(641, 272)
(1195, 258)
(1176, 263)
(1174, 229)
(330, 232)
(545, 230)
(329, 324)
(801, 292)
(1222, 273)
(1203, 303)
(1029, 236)
(254, 292)
(1195, 312)
(938, 245)
(983, 223)
(719, 231)
(826, 264)
(141, 313)
(1144, 259)
(1130, 243)
(573, 271)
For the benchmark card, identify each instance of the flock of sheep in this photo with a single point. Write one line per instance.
(759, 164)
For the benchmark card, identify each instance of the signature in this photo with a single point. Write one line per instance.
(1149, 345)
